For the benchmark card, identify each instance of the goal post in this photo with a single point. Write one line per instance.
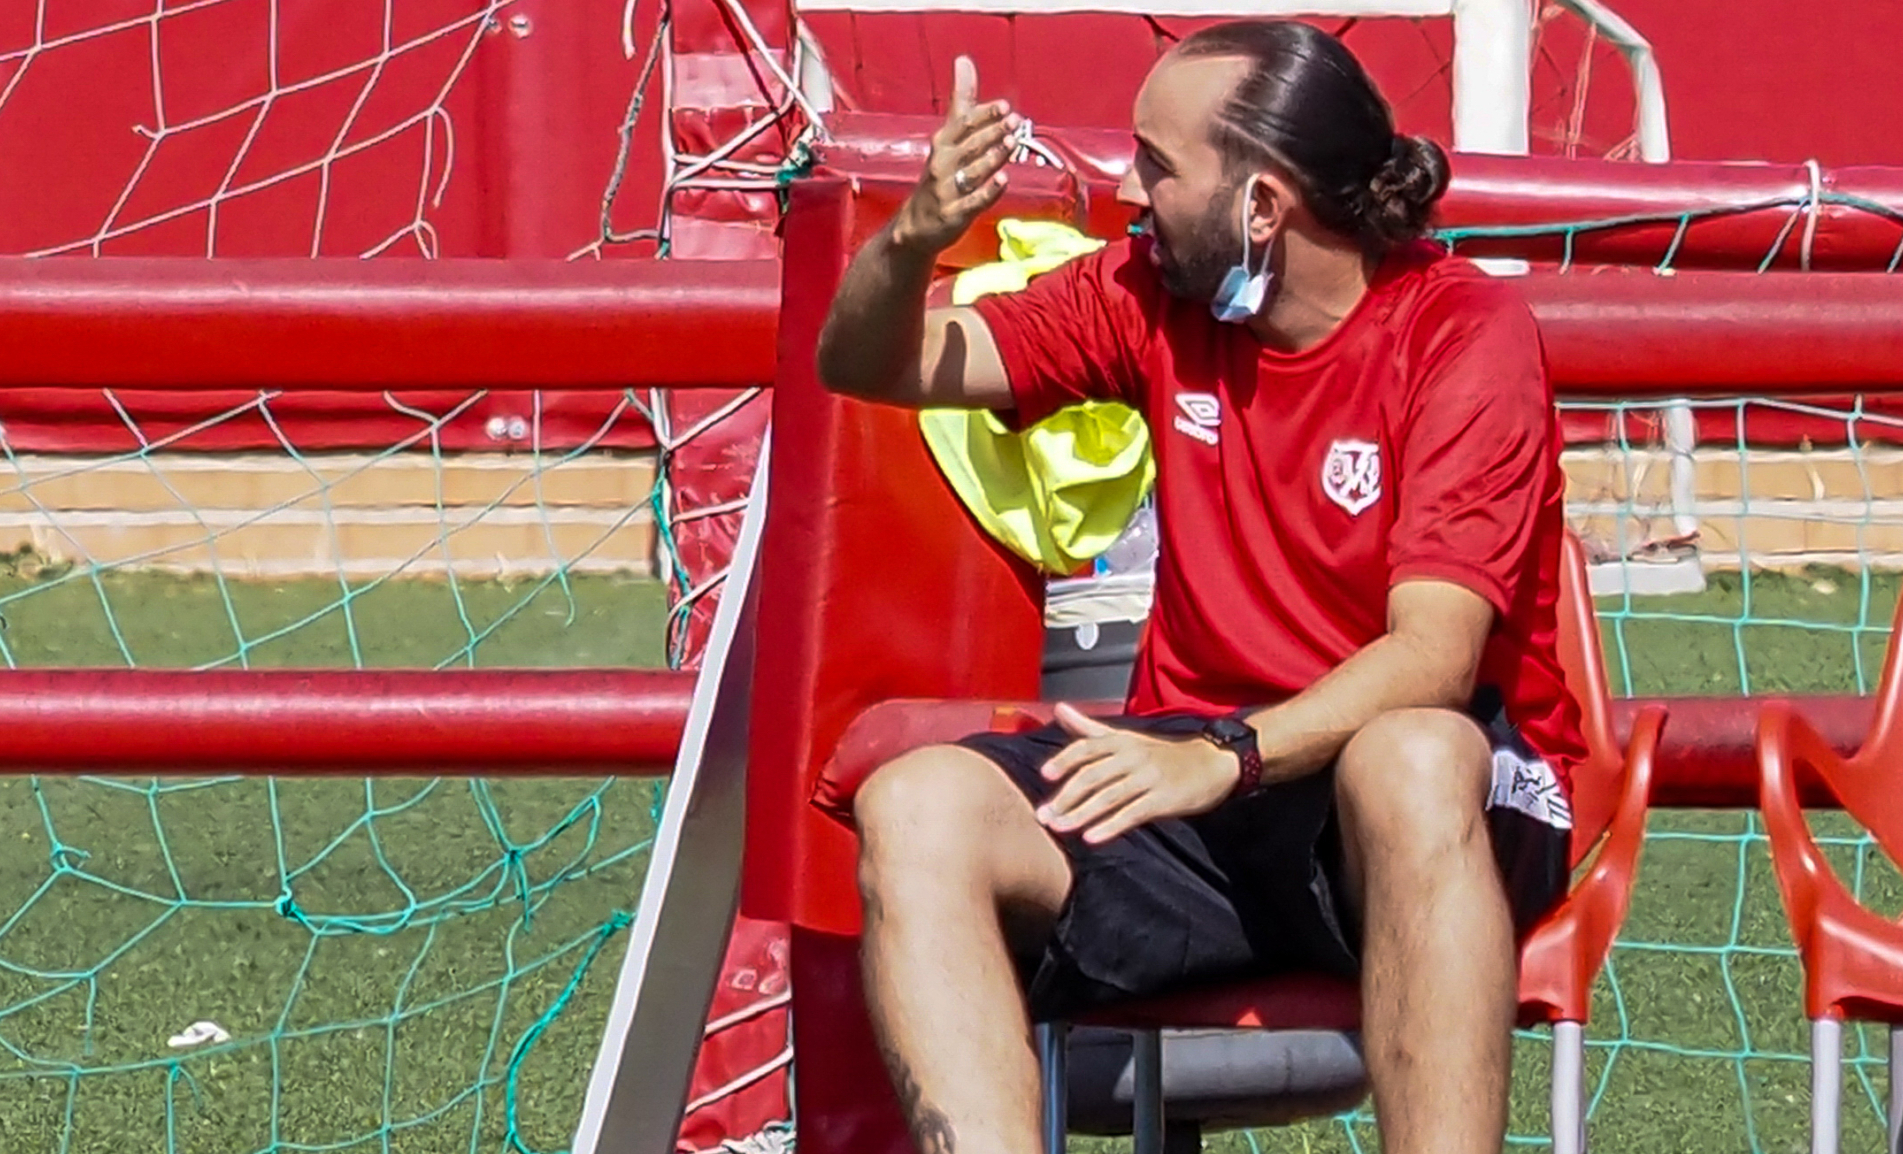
(1493, 45)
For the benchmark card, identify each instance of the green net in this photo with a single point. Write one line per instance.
(250, 964)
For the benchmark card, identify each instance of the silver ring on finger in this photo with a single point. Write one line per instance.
(961, 182)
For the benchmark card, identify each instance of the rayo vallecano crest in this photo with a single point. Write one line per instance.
(1351, 475)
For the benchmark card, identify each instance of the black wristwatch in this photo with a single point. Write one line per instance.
(1237, 736)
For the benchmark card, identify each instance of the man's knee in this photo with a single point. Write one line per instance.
(1414, 778)
(947, 815)
(932, 805)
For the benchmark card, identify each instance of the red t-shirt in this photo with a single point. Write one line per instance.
(1418, 440)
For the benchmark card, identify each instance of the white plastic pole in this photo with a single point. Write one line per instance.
(638, 1085)
(1569, 1088)
(1655, 142)
(1826, 1083)
(1493, 50)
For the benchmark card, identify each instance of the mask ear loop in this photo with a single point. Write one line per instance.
(1266, 245)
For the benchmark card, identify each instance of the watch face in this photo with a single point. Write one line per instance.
(1227, 730)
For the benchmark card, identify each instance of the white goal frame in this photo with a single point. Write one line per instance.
(1493, 47)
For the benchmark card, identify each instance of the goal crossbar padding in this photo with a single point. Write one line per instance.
(487, 722)
(1609, 332)
(885, 152)
(1631, 334)
(341, 324)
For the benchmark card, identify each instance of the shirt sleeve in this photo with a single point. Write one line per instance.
(1477, 460)
(1076, 333)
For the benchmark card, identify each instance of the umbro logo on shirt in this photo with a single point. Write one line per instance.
(1201, 416)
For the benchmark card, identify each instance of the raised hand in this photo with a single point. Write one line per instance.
(964, 174)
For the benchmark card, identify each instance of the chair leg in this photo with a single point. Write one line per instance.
(1896, 1090)
(1183, 1138)
(1147, 1123)
(1569, 1088)
(1053, 1039)
(1826, 1083)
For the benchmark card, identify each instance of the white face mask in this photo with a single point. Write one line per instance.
(1241, 293)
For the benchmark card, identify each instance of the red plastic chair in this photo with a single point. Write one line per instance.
(1559, 960)
(1853, 958)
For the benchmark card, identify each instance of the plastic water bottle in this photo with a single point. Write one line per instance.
(1134, 551)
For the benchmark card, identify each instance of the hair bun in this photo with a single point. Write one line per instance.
(1404, 191)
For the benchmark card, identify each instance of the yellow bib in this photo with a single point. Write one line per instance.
(1060, 491)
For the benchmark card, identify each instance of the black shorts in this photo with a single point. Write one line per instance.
(1250, 889)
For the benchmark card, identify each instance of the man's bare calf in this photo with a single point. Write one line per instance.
(950, 855)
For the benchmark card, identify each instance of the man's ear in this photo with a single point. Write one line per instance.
(1271, 201)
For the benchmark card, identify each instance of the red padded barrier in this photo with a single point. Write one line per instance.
(488, 722)
(1708, 758)
(876, 584)
(1499, 190)
(1630, 333)
(375, 325)
(885, 151)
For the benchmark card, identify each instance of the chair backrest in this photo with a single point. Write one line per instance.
(1866, 784)
(1596, 782)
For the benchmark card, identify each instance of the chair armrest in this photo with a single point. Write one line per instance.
(1853, 958)
(1565, 952)
(893, 728)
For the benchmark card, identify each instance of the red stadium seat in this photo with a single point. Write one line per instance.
(1853, 957)
(1559, 961)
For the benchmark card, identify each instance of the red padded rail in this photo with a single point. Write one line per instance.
(1631, 333)
(501, 722)
(1753, 201)
(171, 323)
(1708, 757)
(417, 324)
(487, 722)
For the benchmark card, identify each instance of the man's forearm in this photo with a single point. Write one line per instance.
(876, 329)
(1396, 671)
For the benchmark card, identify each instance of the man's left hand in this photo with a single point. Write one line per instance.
(1115, 780)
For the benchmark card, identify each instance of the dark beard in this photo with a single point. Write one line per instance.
(1193, 263)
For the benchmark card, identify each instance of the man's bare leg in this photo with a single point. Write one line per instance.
(951, 852)
(1439, 972)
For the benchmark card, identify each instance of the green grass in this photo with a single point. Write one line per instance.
(413, 976)
(122, 618)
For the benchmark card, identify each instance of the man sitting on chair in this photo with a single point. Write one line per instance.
(1346, 741)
